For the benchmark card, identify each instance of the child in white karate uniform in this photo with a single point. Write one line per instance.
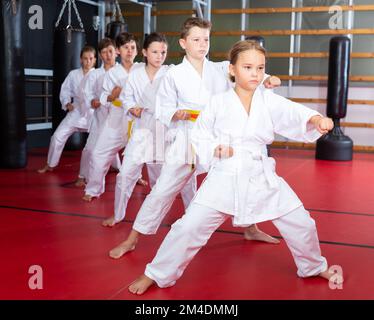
(92, 90)
(113, 136)
(76, 119)
(146, 143)
(183, 93)
(242, 184)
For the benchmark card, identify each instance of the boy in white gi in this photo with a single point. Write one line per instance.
(76, 119)
(183, 93)
(113, 136)
(233, 131)
(139, 101)
(92, 90)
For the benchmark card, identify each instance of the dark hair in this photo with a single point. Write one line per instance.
(194, 22)
(153, 37)
(242, 46)
(105, 43)
(124, 38)
(88, 49)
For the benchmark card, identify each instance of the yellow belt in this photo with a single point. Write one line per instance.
(118, 103)
(129, 128)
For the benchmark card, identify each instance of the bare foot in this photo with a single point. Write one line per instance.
(332, 276)
(45, 169)
(253, 233)
(122, 248)
(87, 198)
(80, 182)
(140, 285)
(142, 182)
(110, 222)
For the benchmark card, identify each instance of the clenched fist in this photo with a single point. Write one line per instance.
(181, 115)
(322, 124)
(223, 151)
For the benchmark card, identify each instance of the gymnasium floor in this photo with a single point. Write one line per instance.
(44, 222)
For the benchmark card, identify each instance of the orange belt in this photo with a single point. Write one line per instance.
(193, 113)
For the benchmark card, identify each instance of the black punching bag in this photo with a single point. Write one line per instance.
(13, 153)
(68, 43)
(335, 145)
(259, 39)
(115, 28)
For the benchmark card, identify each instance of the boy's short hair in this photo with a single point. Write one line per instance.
(88, 49)
(194, 22)
(124, 38)
(105, 43)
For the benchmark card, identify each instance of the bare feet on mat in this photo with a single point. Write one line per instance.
(142, 182)
(110, 222)
(45, 169)
(141, 285)
(87, 198)
(122, 248)
(253, 233)
(336, 278)
(80, 182)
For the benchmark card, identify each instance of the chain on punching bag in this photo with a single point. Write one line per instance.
(68, 43)
(335, 145)
(118, 25)
(13, 152)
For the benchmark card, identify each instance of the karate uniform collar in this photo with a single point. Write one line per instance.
(189, 64)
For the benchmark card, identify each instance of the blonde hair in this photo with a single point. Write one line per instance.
(242, 46)
(194, 22)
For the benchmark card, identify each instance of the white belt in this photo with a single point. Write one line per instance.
(270, 176)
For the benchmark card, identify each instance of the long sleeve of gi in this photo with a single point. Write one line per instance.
(203, 140)
(166, 100)
(290, 119)
(66, 91)
(108, 85)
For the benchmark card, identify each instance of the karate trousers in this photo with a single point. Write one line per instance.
(191, 232)
(87, 154)
(129, 174)
(112, 138)
(174, 179)
(58, 140)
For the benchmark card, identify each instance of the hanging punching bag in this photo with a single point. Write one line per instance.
(13, 153)
(68, 43)
(259, 39)
(115, 28)
(335, 145)
(118, 25)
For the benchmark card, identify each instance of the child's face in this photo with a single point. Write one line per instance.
(108, 55)
(249, 69)
(196, 43)
(128, 52)
(88, 60)
(156, 54)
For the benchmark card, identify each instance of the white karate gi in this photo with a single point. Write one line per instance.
(92, 89)
(76, 120)
(181, 88)
(244, 186)
(113, 136)
(147, 139)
